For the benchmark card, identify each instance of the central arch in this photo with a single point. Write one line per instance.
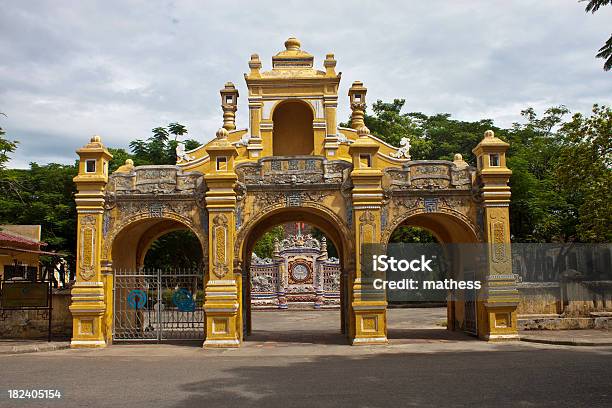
(316, 215)
(293, 134)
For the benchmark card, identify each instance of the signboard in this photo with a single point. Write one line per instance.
(25, 294)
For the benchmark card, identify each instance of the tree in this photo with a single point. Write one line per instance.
(431, 137)
(413, 235)
(332, 251)
(43, 195)
(264, 247)
(6, 147)
(119, 158)
(584, 171)
(604, 52)
(538, 208)
(177, 249)
(159, 148)
(542, 207)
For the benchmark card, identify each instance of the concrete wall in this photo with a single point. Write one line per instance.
(539, 298)
(32, 325)
(570, 298)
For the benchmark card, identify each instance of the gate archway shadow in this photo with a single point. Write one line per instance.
(296, 326)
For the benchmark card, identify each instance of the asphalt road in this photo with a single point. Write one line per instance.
(430, 371)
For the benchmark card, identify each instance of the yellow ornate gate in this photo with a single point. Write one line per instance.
(293, 163)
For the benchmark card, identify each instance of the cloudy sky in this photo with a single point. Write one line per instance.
(70, 69)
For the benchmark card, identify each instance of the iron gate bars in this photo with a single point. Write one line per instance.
(158, 305)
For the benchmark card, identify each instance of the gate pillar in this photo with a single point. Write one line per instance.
(499, 297)
(88, 293)
(222, 299)
(368, 315)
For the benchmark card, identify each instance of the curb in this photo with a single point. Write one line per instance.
(569, 342)
(34, 348)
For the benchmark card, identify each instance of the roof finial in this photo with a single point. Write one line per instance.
(292, 44)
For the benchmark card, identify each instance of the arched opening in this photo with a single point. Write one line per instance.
(180, 249)
(294, 286)
(434, 313)
(158, 282)
(293, 133)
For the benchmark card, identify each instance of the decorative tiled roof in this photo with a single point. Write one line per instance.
(15, 240)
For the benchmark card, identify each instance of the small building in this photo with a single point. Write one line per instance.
(20, 248)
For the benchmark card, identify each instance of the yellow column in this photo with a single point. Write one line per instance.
(255, 141)
(368, 320)
(107, 279)
(88, 293)
(330, 104)
(222, 291)
(499, 298)
(255, 146)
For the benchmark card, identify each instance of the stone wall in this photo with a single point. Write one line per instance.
(565, 305)
(567, 298)
(33, 324)
(539, 298)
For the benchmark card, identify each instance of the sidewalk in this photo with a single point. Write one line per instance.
(16, 346)
(568, 337)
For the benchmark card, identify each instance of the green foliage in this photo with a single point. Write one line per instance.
(435, 137)
(585, 173)
(332, 252)
(160, 148)
(178, 249)
(6, 147)
(604, 52)
(119, 158)
(265, 245)
(547, 205)
(413, 235)
(42, 195)
(537, 204)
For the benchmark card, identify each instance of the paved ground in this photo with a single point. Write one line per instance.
(569, 337)
(10, 346)
(433, 368)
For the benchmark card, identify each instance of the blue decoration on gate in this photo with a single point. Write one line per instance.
(137, 299)
(183, 300)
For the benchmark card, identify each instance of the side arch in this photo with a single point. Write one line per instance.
(447, 226)
(126, 245)
(450, 227)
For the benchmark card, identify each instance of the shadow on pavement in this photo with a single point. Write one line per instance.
(542, 378)
(395, 334)
(306, 337)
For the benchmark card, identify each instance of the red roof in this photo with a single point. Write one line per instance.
(18, 240)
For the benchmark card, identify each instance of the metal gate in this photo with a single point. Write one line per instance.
(158, 305)
(470, 307)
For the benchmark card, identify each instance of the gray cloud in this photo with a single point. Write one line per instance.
(72, 69)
